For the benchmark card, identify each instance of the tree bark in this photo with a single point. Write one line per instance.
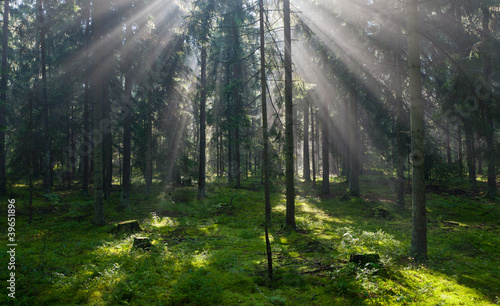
(354, 135)
(289, 172)
(400, 139)
(313, 140)
(470, 154)
(127, 141)
(460, 153)
(86, 108)
(203, 139)
(418, 247)
(97, 95)
(149, 144)
(265, 136)
(306, 166)
(325, 186)
(45, 102)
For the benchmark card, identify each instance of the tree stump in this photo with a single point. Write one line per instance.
(131, 226)
(142, 242)
(363, 260)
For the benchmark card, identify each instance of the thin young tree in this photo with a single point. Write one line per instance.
(265, 137)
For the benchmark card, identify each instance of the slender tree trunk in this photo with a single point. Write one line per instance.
(203, 139)
(418, 247)
(127, 141)
(3, 98)
(307, 167)
(97, 91)
(108, 140)
(470, 154)
(289, 172)
(448, 148)
(45, 103)
(149, 144)
(325, 186)
(265, 137)
(354, 135)
(346, 140)
(86, 108)
(400, 139)
(460, 153)
(479, 157)
(313, 139)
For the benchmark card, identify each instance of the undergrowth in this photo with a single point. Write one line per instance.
(212, 251)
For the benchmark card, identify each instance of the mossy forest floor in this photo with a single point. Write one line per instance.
(212, 252)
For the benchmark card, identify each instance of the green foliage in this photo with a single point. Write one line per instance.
(198, 287)
(202, 257)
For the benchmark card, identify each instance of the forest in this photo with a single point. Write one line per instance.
(253, 152)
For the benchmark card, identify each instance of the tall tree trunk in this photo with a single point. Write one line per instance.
(400, 139)
(97, 91)
(203, 141)
(354, 135)
(418, 247)
(449, 160)
(307, 167)
(45, 103)
(289, 172)
(86, 107)
(313, 140)
(490, 129)
(127, 140)
(470, 154)
(325, 186)
(108, 140)
(265, 136)
(460, 153)
(149, 144)
(3, 98)
(346, 140)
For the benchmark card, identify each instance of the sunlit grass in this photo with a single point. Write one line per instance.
(224, 251)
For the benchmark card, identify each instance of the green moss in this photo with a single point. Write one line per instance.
(205, 256)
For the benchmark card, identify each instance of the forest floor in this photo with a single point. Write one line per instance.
(212, 252)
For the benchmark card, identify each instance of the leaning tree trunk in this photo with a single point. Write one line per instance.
(289, 172)
(418, 247)
(3, 97)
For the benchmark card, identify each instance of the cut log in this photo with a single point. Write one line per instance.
(142, 242)
(131, 226)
